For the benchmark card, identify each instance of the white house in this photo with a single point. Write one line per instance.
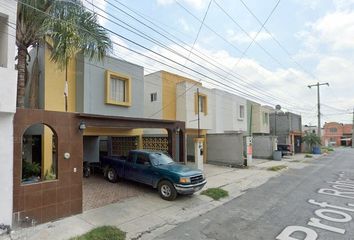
(8, 86)
(229, 112)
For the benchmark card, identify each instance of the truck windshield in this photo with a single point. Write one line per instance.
(160, 159)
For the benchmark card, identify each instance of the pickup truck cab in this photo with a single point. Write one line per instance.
(155, 169)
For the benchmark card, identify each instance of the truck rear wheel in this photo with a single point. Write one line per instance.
(167, 191)
(111, 175)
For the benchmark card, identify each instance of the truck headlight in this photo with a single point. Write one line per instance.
(184, 180)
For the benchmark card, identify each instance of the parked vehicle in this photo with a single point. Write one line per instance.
(285, 149)
(155, 169)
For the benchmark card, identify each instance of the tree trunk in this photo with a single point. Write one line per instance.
(34, 84)
(21, 72)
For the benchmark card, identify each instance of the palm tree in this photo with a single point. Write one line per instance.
(64, 24)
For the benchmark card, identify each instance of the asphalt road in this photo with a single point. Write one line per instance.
(283, 202)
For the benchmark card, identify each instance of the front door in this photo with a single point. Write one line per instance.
(297, 144)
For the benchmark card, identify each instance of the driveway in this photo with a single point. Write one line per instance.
(98, 192)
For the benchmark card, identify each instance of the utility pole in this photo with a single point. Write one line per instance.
(353, 130)
(198, 112)
(318, 106)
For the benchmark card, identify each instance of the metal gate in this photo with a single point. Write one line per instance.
(122, 145)
(156, 143)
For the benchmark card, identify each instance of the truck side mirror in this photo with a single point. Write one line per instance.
(148, 164)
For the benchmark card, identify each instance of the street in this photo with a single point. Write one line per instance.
(316, 202)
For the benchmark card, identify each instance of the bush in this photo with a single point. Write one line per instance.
(312, 139)
(102, 233)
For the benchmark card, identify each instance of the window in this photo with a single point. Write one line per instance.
(265, 118)
(241, 113)
(153, 97)
(118, 91)
(333, 130)
(142, 159)
(39, 154)
(201, 103)
(3, 40)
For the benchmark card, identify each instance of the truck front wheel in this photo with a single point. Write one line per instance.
(167, 190)
(111, 175)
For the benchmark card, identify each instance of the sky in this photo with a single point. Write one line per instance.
(302, 42)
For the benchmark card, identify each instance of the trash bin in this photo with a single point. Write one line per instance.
(277, 155)
(316, 150)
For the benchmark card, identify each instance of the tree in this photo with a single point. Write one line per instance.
(66, 26)
(312, 139)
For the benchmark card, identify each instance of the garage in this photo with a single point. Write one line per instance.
(114, 136)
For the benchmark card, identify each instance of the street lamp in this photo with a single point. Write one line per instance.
(277, 108)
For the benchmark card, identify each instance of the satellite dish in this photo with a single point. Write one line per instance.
(278, 107)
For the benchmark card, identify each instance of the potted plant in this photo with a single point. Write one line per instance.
(30, 171)
(312, 140)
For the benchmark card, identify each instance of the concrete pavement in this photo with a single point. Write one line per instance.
(312, 203)
(147, 216)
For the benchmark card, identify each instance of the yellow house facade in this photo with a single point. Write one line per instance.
(170, 96)
(111, 87)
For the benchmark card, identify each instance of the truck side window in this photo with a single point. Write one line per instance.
(141, 159)
(131, 157)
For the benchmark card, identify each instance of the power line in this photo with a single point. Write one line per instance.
(276, 40)
(254, 38)
(200, 28)
(172, 50)
(213, 80)
(261, 91)
(228, 42)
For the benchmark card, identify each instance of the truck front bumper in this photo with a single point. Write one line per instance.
(189, 188)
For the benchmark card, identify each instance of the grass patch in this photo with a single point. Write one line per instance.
(296, 161)
(276, 168)
(308, 156)
(215, 193)
(102, 233)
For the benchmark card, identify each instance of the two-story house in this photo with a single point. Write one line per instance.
(229, 112)
(257, 119)
(287, 127)
(170, 96)
(337, 134)
(92, 108)
(8, 86)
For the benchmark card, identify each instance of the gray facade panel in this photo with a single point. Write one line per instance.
(93, 86)
(263, 146)
(91, 149)
(225, 149)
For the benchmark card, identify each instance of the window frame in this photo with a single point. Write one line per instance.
(42, 177)
(205, 102)
(127, 89)
(153, 97)
(265, 119)
(239, 112)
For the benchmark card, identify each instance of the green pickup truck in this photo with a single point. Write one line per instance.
(155, 169)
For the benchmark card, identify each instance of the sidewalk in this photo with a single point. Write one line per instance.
(147, 215)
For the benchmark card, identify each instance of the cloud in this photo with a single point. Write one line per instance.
(232, 36)
(336, 29)
(196, 4)
(343, 4)
(185, 25)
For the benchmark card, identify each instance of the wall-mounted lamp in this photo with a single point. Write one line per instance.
(177, 130)
(82, 126)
